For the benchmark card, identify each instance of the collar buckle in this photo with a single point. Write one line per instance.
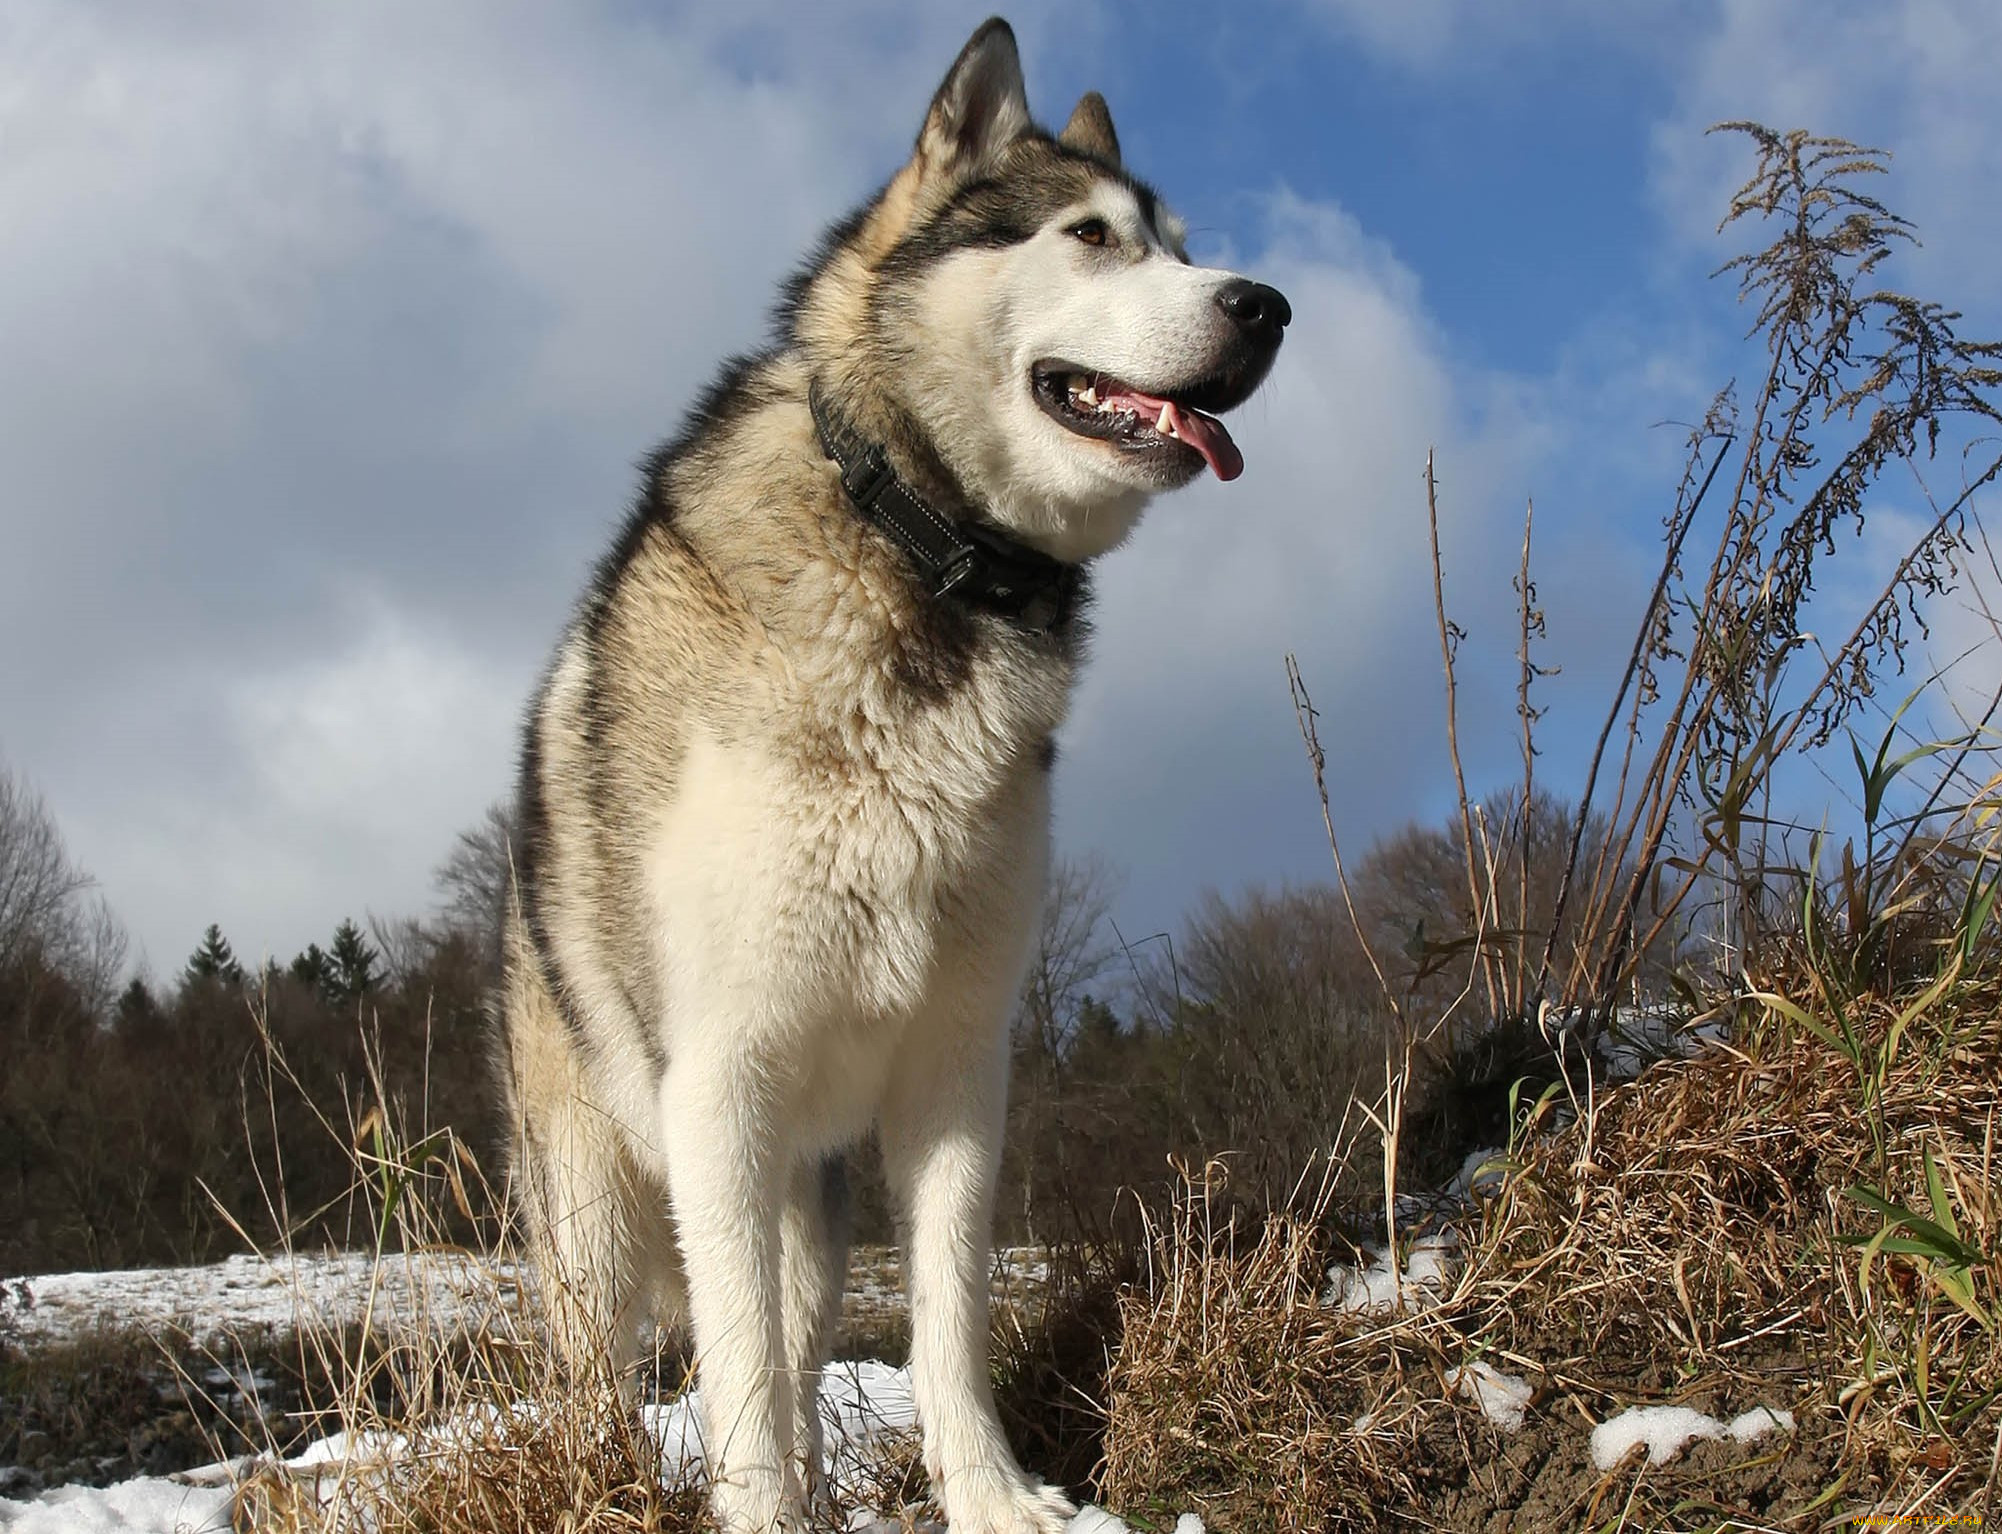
(867, 477)
(955, 572)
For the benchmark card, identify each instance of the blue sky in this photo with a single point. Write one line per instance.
(334, 332)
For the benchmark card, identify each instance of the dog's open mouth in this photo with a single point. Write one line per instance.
(1098, 405)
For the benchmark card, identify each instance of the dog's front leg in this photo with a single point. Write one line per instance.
(941, 1137)
(724, 1179)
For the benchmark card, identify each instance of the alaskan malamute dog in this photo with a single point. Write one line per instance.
(785, 803)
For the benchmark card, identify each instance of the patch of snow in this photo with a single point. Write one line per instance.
(1749, 1427)
(440, 1289)
(1666, 1430)
(1637, 1036)
(676, 1428)
(148, 1505)
(860, 1404)
(1379, 1289)
(250, 1294)
(1502, 1398)
(1096, 1520)
(1481, 1174)
(351, 1450)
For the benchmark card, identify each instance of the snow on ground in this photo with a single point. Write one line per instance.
(1378, 1289)
(1092, 1520)
(1502, 1398)
(1482, 1173)
(441, 1289)
(860, 1404)
(1637, 1036)
(150, 1505)
(1667, 1429)
(243, 1295)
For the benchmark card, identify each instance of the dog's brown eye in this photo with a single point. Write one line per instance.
(1092, 231)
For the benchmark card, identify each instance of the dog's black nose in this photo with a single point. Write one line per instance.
(1260, 312)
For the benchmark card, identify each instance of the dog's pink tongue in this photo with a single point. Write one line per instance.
(1204, 433)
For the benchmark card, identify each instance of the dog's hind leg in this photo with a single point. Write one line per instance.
(813, 1257)
(589, 1247)
(574, 1184)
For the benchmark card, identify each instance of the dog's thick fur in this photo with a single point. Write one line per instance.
(784, 813)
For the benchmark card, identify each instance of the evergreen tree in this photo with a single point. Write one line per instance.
(136, 1007)
(352, 962)
(213, 959)
(1097, 1026)
(315, 970)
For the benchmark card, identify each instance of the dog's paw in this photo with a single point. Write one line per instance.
(989, 1501)
(759, 1504)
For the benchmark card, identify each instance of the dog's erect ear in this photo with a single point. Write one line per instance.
(981, 108)
(1090, 129)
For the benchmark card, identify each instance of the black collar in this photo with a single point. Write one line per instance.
(973, 564)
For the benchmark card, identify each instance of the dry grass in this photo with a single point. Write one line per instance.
(1234, 1390)
(543, 1460)
(1690, 1237)
(1804, 1216)
(447, 1407)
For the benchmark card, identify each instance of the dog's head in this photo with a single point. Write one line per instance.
(1023, 308)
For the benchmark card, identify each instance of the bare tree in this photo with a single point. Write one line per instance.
(1075, 952)
(1281, 1020)
(47, 908)
(1074, 965)
(37, 880)
(1413, 900)
(474, 879)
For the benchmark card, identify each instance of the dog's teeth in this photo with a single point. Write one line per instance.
(1166, 425)
(1089, 395)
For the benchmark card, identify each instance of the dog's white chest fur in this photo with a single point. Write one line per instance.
(849, 865)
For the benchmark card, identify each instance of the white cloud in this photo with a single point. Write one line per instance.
(1916, 77)
(1967, 645)
(326, 784)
